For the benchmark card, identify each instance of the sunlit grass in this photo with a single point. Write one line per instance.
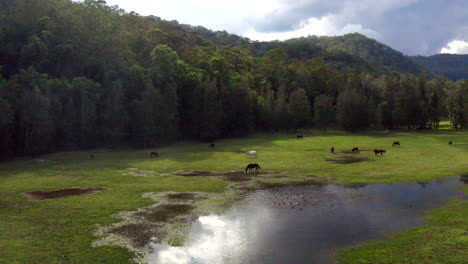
(61, 230)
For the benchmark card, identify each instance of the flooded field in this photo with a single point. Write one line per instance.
(305, 224)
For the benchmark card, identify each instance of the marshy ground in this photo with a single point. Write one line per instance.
(189, 179)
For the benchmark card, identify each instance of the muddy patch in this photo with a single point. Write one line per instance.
(181, 196)
(166, 221)
(139, 234)
(166, 212)
(347, 159)
(55, 194)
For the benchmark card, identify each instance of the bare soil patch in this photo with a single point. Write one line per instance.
(166, 212)
(54, 194)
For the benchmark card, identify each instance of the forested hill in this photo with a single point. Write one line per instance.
(84, 75)
(453, 66)
(365, 48)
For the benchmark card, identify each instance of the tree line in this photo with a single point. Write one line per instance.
(84, 75)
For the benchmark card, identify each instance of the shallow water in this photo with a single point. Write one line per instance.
(305, 224)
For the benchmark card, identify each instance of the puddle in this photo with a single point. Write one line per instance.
(304, 224)
(55, 194)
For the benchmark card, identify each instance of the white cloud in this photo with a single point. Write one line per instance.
(326, 25)
(213, 14)
(456, 47)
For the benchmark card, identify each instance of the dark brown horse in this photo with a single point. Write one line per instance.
(300, 137)
(92, 156)
(396, 143)
(332, 150)
(212, 145)
(154, 154)
(450, 142)
(379, 151)
(251, 167)
(355, 150)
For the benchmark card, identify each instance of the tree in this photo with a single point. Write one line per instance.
(299, 108)
(212, 113)
(86, 95)
(324, 111)
(352, 110)
(114, 127)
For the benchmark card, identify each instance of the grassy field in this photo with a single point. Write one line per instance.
(61, 230)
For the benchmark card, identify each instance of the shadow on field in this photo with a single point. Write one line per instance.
(55, 194)
(347, 159)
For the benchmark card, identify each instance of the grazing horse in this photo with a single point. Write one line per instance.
(396, 143)
(379, 151)
(154, 154)
(92, 156)
(251, 167)
(450, 142)
(332, 150)
(251, 153)
(300, 137)
(212, 145)
(355, 150)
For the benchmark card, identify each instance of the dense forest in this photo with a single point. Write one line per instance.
(84, 74)
(452, 66)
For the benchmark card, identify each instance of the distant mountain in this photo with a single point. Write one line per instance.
(368, 49)
(349, 53)
(453, 66)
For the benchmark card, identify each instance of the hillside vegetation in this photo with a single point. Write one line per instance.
(453, 66)
(79, 75)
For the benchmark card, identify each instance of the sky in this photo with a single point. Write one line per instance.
(414, 27)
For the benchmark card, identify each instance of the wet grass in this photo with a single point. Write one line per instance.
(62, 230)
(444, 239)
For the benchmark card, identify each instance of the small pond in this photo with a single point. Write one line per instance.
(304, 224)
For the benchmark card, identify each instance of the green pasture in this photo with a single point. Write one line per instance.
(61, 230)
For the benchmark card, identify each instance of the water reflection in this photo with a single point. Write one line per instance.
(305, 224)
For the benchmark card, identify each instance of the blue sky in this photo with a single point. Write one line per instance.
(414, 27)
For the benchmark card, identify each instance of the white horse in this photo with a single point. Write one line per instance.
(251, 153)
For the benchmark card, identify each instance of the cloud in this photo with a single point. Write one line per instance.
(415, 27)
(456, 47)
(411, 26)
(324, 26)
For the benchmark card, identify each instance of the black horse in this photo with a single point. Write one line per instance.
(300, 137)
(154, 154)
(212, 145)
(251, 167)
(450, 142)
(396, 143)
(332, 150)
(379, 151)
(355, 150)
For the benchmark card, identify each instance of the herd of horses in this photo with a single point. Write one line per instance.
(253, 154)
